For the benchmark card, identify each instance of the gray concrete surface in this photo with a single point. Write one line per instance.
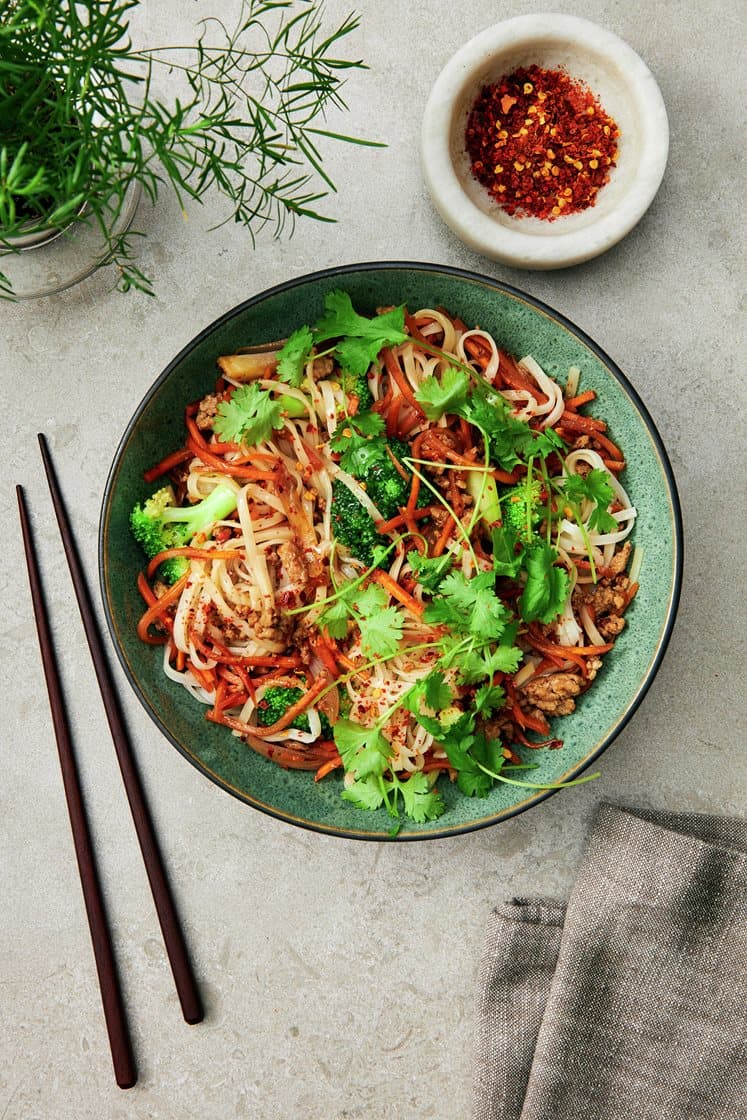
(339, 976)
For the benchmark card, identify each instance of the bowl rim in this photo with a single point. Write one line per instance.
(672, 496)
(512, 245)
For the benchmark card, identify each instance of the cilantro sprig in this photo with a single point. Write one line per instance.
(594, 487)
(359, 340)
(251, 415)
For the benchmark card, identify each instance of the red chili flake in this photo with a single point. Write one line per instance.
(541, 143)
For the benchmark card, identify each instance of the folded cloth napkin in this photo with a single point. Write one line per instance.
(629, 1003)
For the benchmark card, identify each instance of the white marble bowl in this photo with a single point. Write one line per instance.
(624, 86)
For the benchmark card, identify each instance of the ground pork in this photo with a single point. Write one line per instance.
(322, 368)
(207, 410)
(293, 564)
(619, 561)
(553, 695)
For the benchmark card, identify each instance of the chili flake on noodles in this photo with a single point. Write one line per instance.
(541, 143)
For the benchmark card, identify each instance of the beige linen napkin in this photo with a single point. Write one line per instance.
(629, 1003)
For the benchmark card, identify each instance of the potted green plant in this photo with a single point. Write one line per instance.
(82, 126)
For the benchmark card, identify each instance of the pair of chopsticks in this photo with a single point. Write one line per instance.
(111, 995)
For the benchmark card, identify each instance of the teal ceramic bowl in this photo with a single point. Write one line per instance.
(522, 325)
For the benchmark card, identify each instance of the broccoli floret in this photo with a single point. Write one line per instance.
(385, 486)
(159, 523)
(356, 385)
(523, 508)
(352, 524)
(275, 703)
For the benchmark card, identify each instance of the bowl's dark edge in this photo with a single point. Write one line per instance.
(342, 270)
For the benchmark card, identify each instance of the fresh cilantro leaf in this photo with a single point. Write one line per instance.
(510, 441)
(475, 664)
(364, 750)
(472, 779)
(381, 633)
(362, 424)
(365, 793)
(437, 693)
(335, 617)
(596, 487)
(430, 570)
(474, 782)
(488, 699)
(506, 561)
(371, 600)
(602, 522)
(445, 396)
(488, 751)
(433, 691)
(546, 589)
(294, 355)
(368, 423)
(249, 416)
(547, 442)
(422, 801)
(469, 606)
(361, 338)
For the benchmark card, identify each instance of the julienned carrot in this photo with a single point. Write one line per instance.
(578, 423)
(436, 764)
(507, 477)
(478, 350)
(413, 329)
(410, 421)
(443, 540)
(216, 448)
(524, 720)
(554, 647)
(582, 399)
(167, 464)
(515, 379)
(449, 453)
(402, 519)
(296, 709)
(412, 501)
(382, 405)
(394, 370)
(385, 580)
(611, 448)
(157, 609)
(346, 662)
(392, 416)
(614, 465)
(218, 652)
(630, 595)
(192, 554)
(220, 691)
(327, 768)
(226, 467)
(323, 650)
(204, 677)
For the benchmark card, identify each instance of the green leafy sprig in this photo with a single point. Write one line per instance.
(80, 118)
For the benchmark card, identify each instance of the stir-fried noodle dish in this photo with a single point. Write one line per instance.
(390, 549)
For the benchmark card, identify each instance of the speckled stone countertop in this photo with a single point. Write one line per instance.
(339, 976)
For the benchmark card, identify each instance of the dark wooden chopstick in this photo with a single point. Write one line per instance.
(176, 948)
(111, 994)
